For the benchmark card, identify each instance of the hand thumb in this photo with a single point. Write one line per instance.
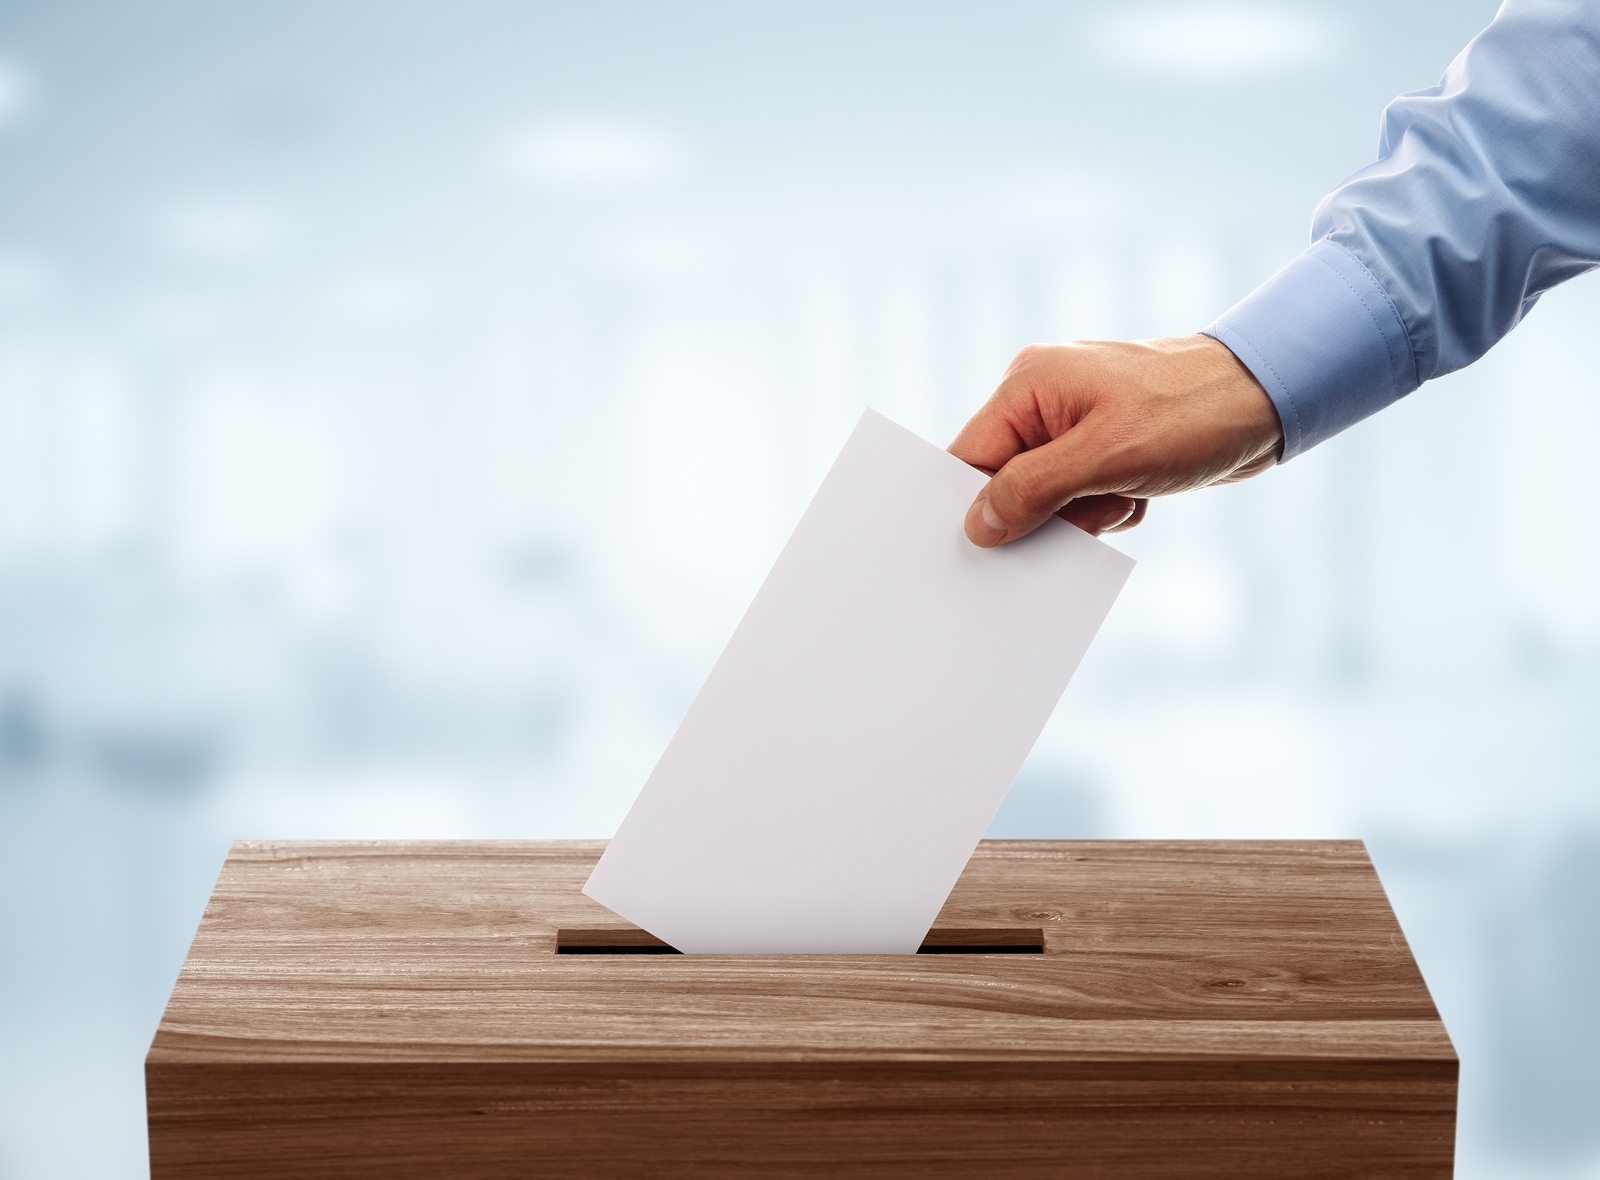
(1024, 493)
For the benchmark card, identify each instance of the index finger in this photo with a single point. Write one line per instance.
(1010, 422)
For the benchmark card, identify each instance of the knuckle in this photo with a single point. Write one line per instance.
(1028, 356)
(1026, 495)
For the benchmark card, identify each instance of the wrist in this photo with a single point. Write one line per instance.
(1241, 404)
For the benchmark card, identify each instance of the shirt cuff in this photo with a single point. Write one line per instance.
(1325, 341)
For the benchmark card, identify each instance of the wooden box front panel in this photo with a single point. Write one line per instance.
(1201, 1009)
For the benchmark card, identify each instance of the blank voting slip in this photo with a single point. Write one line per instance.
(858, 733)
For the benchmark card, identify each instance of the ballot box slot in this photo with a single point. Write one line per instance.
(610, 940)
(983, 940)
(941, 940)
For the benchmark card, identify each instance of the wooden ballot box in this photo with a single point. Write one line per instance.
(1084, 1009)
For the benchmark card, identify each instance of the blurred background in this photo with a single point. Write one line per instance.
(400, 402)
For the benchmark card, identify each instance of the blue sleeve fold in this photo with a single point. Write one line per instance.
(1485, 194)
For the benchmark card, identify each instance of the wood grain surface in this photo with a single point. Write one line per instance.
(1202, 1009)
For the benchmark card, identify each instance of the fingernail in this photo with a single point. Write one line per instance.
(1114, 516)
(991, 519)
(983, 526)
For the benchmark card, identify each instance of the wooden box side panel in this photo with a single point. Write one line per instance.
(496, 1123)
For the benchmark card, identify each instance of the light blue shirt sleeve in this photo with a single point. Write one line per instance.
(1485, 194)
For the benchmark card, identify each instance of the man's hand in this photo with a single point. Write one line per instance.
(1091, 431)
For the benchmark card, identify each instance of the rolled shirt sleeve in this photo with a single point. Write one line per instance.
(1485, 194)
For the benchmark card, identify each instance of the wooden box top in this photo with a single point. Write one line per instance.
(1153, 951)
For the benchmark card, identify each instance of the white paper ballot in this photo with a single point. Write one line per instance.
(859, 731)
